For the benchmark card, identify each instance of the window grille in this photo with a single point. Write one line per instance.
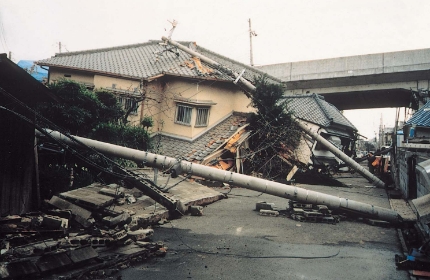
(183, 114)
(202, 116)
(128, 103)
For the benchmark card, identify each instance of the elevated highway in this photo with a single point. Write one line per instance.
(394, 79)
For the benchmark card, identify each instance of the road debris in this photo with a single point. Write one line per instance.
(264, 205)
(271, 213)
(311, 213)
(85, 234)
(195, 210)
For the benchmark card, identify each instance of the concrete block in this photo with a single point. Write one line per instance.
(80, 240)
(54, 222)
(120, 235)
(100, 242)
(264, 205)
(195, 210)
(272, 213)
(65, 214)
(141, 234)
(119, 220)
(80, 214)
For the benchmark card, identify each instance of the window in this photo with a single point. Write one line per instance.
(202, 116)
(183, 114)
(128, 103)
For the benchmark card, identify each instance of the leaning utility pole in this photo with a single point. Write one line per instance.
(178, 167)
(350, 162)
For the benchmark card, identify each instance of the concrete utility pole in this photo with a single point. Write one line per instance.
(257, 184)
(251, 33)
(350, 162)
(10, 55)
(59, 47)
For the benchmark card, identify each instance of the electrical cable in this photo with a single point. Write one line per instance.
(63, 144)
(230, 189)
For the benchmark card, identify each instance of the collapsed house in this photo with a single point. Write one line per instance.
(326, 120)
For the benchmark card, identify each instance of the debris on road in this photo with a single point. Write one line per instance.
(264, 205)
(271, 213)
(311, 213)
(195, 210)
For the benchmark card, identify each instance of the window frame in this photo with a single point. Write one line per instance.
(199, 116)
(126, 102)
(188, 109)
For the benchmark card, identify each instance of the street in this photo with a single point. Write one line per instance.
(233, 241)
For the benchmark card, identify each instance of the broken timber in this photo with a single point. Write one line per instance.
(179, 167)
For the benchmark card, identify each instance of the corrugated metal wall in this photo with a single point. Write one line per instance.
(16, 164)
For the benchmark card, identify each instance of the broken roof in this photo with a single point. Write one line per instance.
(421, 117)
(313, 108)
(197, 149)
(148, 61)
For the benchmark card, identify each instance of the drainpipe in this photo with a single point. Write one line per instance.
(350, 162)
(240, 180)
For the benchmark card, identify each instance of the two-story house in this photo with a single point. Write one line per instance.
(185, 97)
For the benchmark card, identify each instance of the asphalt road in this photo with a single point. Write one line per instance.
(232, 241)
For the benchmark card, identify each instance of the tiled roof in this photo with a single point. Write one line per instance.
(147, 60)
(421, 117)
(202, 146)
(313, 108)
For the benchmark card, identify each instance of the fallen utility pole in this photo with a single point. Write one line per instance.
(257, 184)
(350, 162)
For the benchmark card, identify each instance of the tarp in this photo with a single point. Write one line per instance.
(34, 70)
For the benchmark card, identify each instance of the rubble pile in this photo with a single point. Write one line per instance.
(80, 233)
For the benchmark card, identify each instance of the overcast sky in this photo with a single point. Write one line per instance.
(287, 30)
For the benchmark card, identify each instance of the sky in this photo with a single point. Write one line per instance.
(287, 30)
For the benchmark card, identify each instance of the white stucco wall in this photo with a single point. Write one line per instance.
(227, 98)
(56, 74)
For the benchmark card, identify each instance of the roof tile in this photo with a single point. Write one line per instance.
(313, 108)
(147, 60)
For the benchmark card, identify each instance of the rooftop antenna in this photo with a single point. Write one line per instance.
(251, 33)
(174, 23)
